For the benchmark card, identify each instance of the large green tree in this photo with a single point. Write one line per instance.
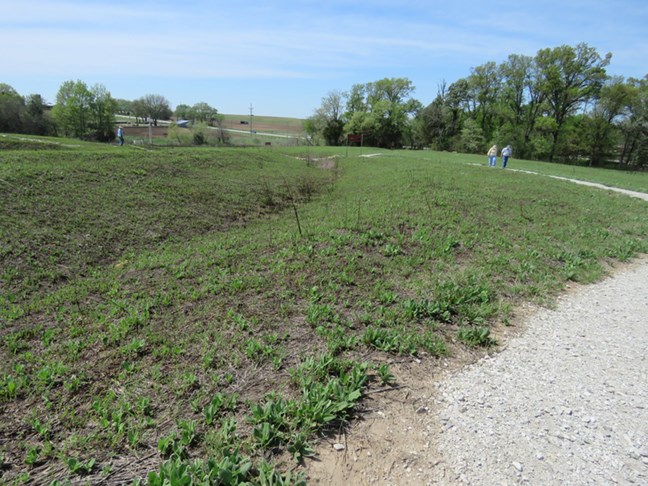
(72, 109)
(521, 102)
(634, 126)
(85, 112)
(432, 124)
(457, 102)
(484, 85)
(600, 131)
(383, 116)
(124, 107)
(327, 121)
(38, 121)
(20, 114)
(183, 112)
(380, 111)
(569, 77)
(153, 106)
(103, 108)
(203, 112)
(12, 108)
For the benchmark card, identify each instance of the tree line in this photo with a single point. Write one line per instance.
(88, 112)
(559, 105)
(20, 114)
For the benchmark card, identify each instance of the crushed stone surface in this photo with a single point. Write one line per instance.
(566, 403)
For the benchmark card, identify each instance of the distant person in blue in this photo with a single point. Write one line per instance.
(120, 135)
(492, 156)
(506, 153)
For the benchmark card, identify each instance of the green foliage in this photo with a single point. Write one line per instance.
(570, 77)
(170, 444)
(153, 106)
(390, 340)
(32, 455)
(271, 420)
(233, 468)
(80, 467)
(179, 136)
(270, 476)
(384, 119)
(328, 119)
(84, 112)
(12, 384)
(326, 398)
(464, 301)
(199, 134)
(135, 347)
(385, 374)
(557, 105)
(259, 352)
(51, 374)
(20, 114)
(472, 137)
(475, 336)
(220, 402)
(378, 110)
(177, 197)
(321, 314)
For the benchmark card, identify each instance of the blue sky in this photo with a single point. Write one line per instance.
(283, 57)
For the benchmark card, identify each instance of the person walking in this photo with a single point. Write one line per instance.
(506, 153)
(120, 135)
(492, 156)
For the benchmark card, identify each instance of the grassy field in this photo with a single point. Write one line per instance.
(206, 313)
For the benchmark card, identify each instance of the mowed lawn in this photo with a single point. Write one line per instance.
(206, 313)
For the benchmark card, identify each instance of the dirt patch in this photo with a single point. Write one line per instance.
(328, 163)
(383, 446)
(287, 128)
(156, 132)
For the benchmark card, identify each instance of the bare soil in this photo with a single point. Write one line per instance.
(156, 132)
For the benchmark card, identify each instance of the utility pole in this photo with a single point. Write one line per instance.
(251, 115)
(149, 120)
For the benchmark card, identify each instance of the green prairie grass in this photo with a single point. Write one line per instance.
(625, 179)
(223, 307)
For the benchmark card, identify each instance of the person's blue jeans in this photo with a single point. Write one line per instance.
(504, 161)
(492, 161)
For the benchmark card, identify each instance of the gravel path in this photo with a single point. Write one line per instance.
(566, 403)
(627, 192)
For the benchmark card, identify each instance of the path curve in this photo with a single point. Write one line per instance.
(627, 192)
